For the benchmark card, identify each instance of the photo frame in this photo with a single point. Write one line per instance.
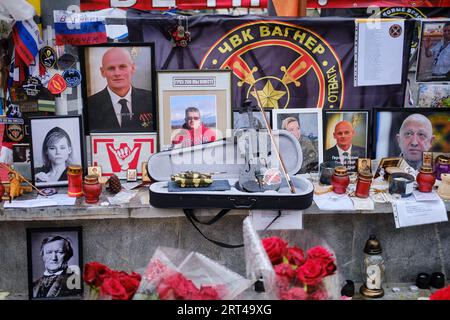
(335, 143)
(95, 170)
(419, 121)
(131, 175)
(55, 276)
(145, 176)
(194, 107)
(116, 153)
(433, 59)
(119, 102)
(306, 125)
(240, 120)
(388, 162)
(56, 142)
(430, 158)
(364, 165)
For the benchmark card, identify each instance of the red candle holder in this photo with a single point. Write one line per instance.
(91, 189)
(363, 185)
(340, 180)
(425, 179)
(75, 177)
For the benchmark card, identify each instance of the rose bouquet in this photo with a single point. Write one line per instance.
(106, 284)
(300, 276)
(174, 274)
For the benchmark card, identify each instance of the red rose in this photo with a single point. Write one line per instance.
(284, 272)
(295, 293)
(95, 273)
(442, 294)
(113, 288)
(177, 287)
(324, 257)
(295, 256)
(208, 293)
(276, 249)
(318, 295)
(310, 273)
(129, 282)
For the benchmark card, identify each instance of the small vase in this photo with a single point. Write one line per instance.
(363, 185)
(75, 177)
(442, 166)
(91, 189)
(425, 179)
(340, 180)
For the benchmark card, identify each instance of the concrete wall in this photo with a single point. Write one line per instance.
(130, 243)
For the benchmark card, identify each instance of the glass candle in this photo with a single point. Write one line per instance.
(442, 166)
(91, 189)
(363, 185)
(425, 179)
(340, 180)
(75, 177)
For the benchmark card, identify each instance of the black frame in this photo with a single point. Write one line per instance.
(375, 123)
(82, 145)
(81, 54)
(419, 53)
(55, 230)
(369, 124)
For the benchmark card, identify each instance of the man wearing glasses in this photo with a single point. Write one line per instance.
(193, 130)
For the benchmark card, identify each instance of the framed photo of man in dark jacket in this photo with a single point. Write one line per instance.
(119, 87)
(55, 263)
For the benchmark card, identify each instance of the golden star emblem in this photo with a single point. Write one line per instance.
(269, 96)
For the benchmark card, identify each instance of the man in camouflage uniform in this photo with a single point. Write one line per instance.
(309, 147)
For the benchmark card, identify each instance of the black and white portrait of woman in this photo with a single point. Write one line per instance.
(56, 145)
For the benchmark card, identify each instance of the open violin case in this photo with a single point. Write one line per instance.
(227, 159)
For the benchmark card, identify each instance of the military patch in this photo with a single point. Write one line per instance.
(72, 77)
(48, 57)
(14, 132)
(57, 84)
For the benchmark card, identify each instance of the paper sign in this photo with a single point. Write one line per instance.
(426, 196)
(412, 213)
(379, 52)
(272, 220)
(333, 201)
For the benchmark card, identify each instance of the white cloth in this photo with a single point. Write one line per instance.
(18, 10)
(117, 106)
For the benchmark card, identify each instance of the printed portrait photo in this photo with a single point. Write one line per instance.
(193, 119)
(55, 263)
(119, 88)
(56, 143)
(346, 137)
(306, 126)
(434, 54)
(409, 133)
(433, 95)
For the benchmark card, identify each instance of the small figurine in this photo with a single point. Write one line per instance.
(15, 185)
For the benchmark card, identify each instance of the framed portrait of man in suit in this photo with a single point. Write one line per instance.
(346, 136)
(55, 263)
(119, 87)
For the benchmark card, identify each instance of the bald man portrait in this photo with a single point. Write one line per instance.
(119, 106)
(344, 151)
(415, 137)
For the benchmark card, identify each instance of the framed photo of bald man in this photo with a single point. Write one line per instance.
(55, 263)
(346, 136)
(119, 87)
(409, 132)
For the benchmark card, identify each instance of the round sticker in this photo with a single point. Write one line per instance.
(66, 61)
(48, 57)
(14, 132)
(49, 191)
(72, 77)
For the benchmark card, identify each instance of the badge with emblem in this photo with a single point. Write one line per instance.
(57, 84)
(48, 57)
(72, 77)
(146, 119)
(66, 61)
(14, 132)
(32, 87)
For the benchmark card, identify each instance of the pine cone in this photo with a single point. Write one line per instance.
(114, 184)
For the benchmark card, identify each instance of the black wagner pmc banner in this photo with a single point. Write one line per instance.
(292, 63)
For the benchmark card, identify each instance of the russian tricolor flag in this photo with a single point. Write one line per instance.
(79, 32)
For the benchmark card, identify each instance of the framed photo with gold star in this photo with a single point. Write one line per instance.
(194, 107)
